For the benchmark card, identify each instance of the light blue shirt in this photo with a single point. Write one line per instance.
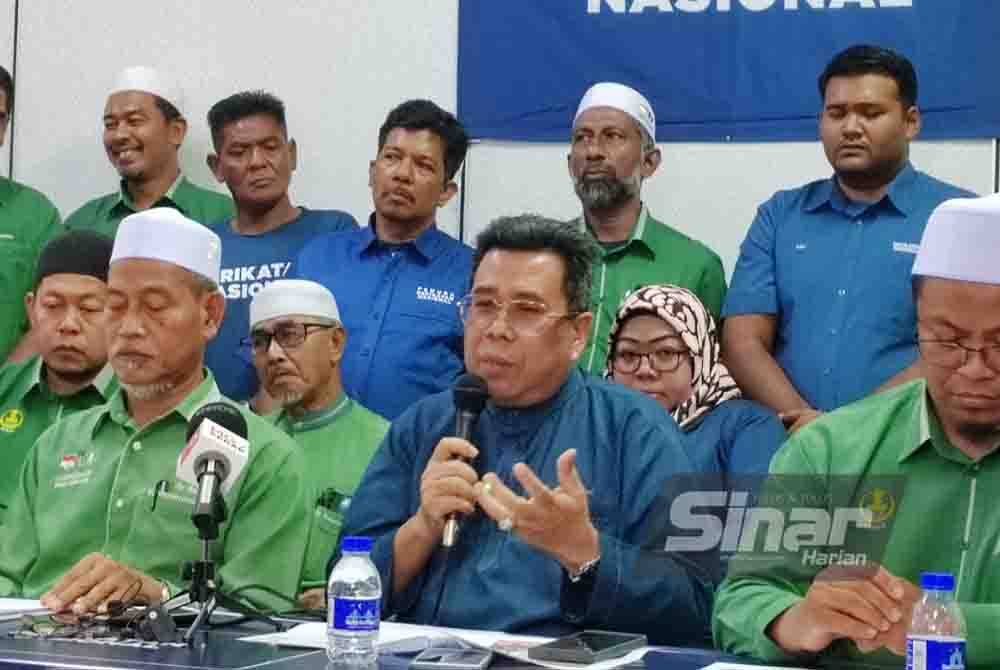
(836, 273)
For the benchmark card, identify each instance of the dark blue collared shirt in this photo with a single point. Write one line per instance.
(629, 451)
(836, 273)
(398, 305)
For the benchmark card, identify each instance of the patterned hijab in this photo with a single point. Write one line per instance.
(711, 382)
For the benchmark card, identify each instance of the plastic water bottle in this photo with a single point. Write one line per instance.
(936, 639)
(355, 596)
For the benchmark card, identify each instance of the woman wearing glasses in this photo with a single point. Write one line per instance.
(665, 343)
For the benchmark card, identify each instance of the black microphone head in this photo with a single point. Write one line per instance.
(222, 413)
(470, 393)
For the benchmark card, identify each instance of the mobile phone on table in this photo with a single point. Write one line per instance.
(588, 646)
(443, 658)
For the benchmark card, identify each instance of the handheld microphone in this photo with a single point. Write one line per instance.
(470, 396)
(215, 455)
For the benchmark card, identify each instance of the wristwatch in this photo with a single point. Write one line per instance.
(588, 568)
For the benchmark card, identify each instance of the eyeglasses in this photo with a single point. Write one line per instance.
(288, 335)
(951, 354)
(526, 317)
(661, 360)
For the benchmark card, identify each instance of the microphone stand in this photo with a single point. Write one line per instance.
(205, 591)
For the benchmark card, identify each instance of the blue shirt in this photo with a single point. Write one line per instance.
(249, 263)
(737, 436)
(627, 450)
(836, 273)
(398, 304)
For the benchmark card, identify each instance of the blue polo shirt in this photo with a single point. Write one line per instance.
(249, 263)
(836, 273)
(398, 304)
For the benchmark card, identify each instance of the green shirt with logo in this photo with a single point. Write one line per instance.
(27, 221)
(103, 214)
(946, 520)
(655, 253)
(338, 444)
(96, 482)
(28, 406)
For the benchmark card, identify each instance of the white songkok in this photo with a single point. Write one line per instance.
(961, 241)
(285, 297)
(148, 80)
(164, 234)
(622, 98)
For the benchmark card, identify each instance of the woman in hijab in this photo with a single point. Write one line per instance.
(665, 343)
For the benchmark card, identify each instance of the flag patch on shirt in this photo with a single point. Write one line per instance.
(435, 295)
(905, 247)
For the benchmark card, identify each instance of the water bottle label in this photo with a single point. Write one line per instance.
(935, 653)
(354, 614)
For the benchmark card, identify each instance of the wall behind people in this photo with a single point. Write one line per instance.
(6, 58)
(340, 66)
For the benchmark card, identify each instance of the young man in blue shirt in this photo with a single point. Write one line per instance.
(819, 312)
(255, 158)
(398, 279)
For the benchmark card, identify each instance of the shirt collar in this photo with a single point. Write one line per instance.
(207, 391)
(513, 421)
(899, 193)
(101, 383)
(428, 243)
(125, 199)
(925, 430)
(319, 418)
(637, 238)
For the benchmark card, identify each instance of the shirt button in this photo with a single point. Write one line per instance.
(841, 291)
(137, 446)
(827, 371)
(833, 331)
(365, 351)
(119, 503)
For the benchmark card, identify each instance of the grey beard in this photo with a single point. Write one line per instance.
(606, 192)
(288, 398)
(148, 391)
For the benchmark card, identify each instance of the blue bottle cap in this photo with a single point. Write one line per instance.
(356, 545)
(937, 581)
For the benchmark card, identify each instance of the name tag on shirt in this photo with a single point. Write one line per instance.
(905, 247)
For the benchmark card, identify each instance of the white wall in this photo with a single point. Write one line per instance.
(6, 58)
(340, 65)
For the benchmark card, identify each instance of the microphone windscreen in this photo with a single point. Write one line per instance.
(470, 393)
(222, 413)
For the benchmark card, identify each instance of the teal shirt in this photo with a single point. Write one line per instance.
(27, 221)
(947, 519)
(28, 406)
(96, 482)
(337, 443)
(654, 254)
(103, 214)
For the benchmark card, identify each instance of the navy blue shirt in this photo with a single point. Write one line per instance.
(249, 263)
(736, 437)
(836, 273)
(627, 450)
(398, 304)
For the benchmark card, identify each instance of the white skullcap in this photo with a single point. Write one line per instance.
(622, 98)
(961, 241)
(164, 234)
(148, 80)
(284, 297)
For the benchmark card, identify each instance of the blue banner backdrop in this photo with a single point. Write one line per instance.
(717, 70)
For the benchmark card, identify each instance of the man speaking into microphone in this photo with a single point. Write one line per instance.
(103, 511)
(555, 490)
